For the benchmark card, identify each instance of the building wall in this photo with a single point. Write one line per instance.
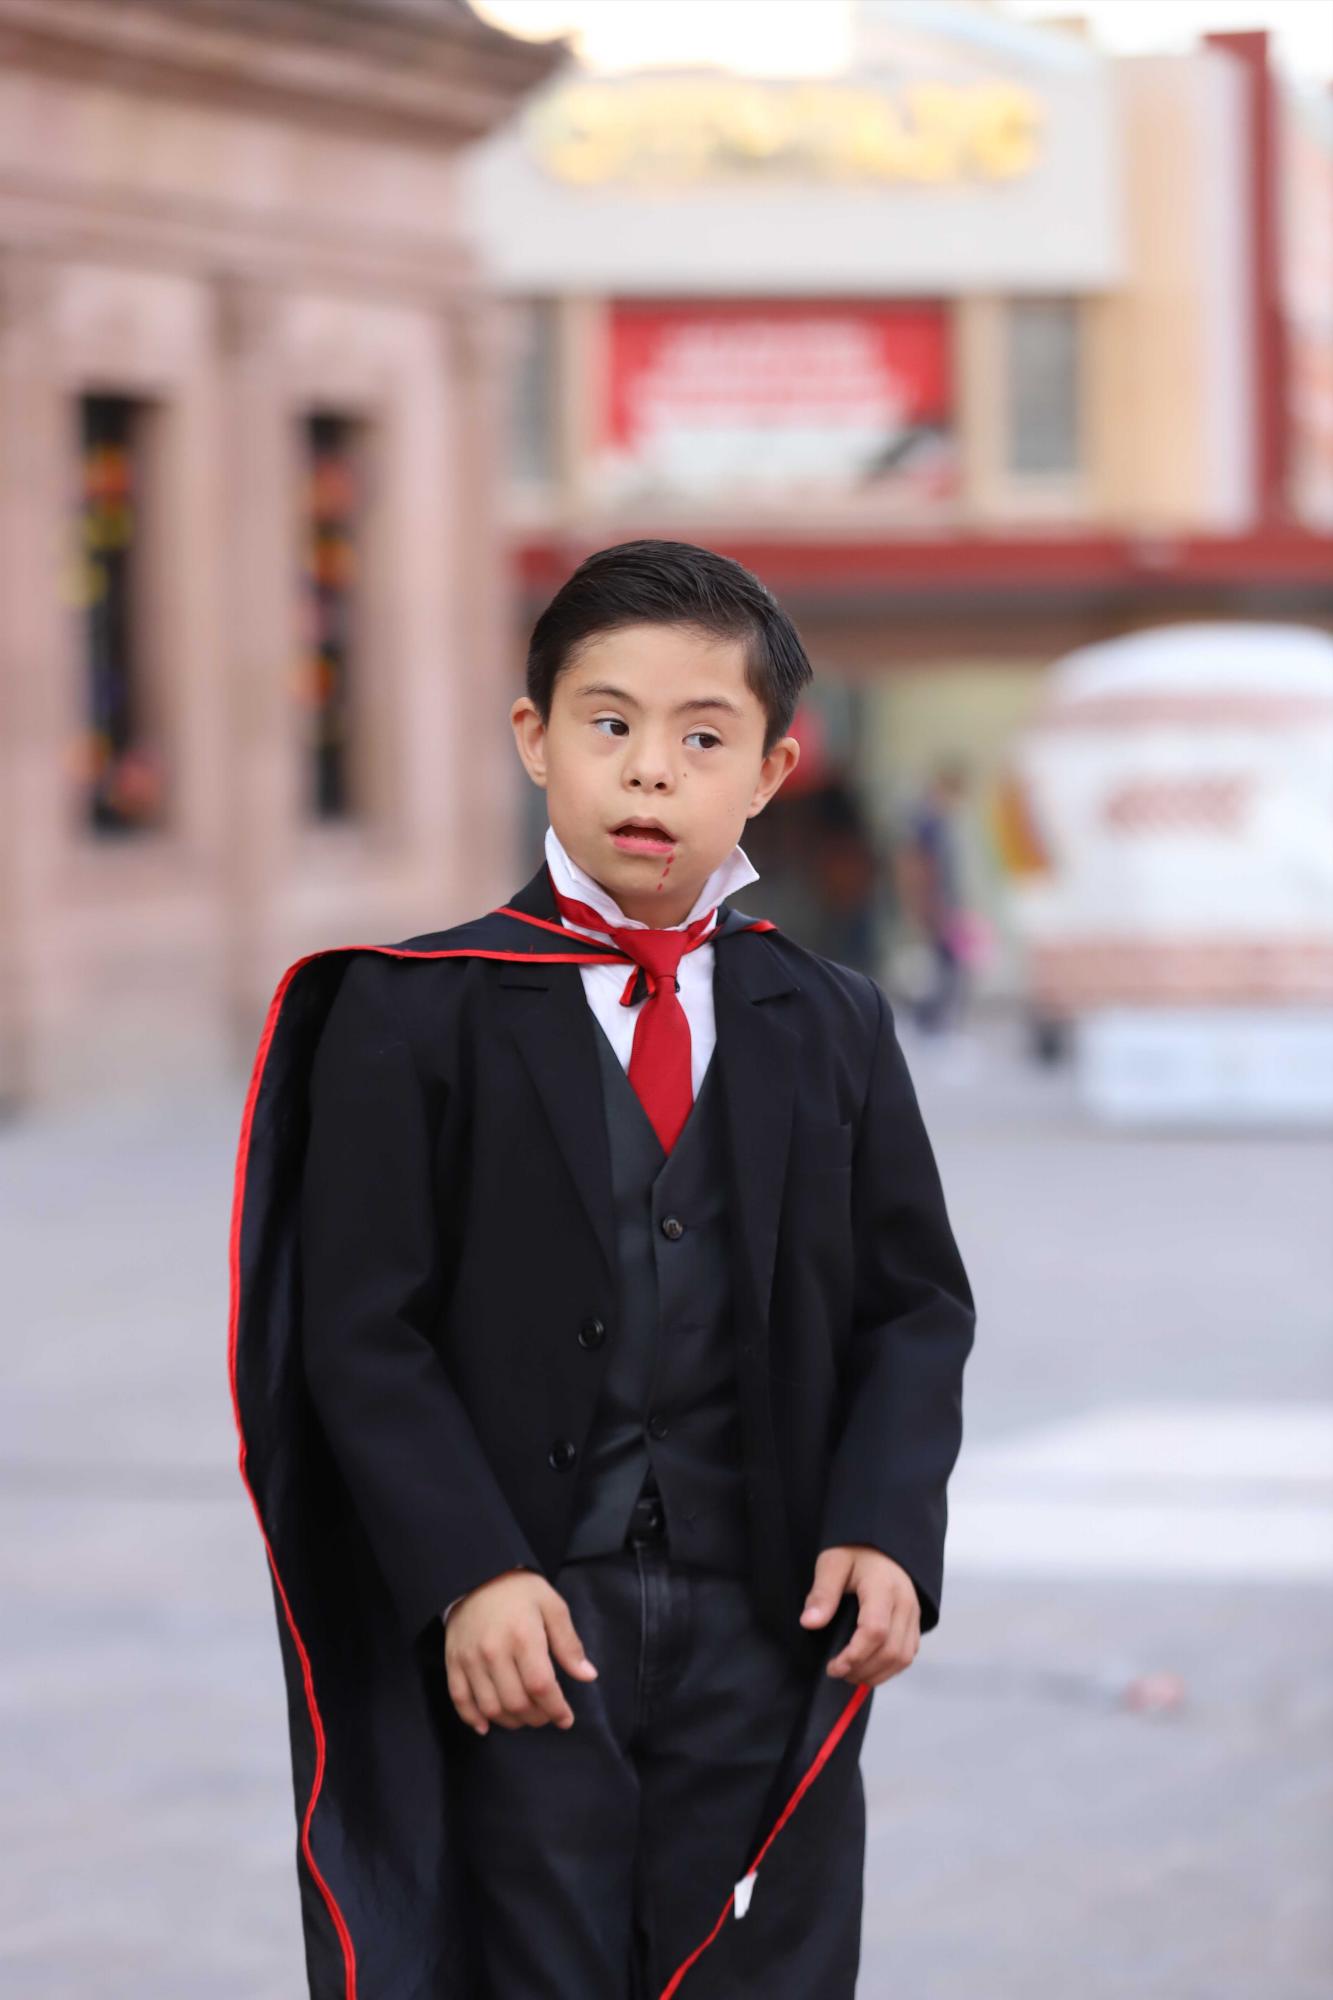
(216, 167)
(1162, 432)
(1173, 398)
(236, 269)
(1141, 177)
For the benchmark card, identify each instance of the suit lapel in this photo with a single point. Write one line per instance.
(545, 1009)
(757, 1051)
(547, 1013)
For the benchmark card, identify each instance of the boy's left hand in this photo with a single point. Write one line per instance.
(888, 1629)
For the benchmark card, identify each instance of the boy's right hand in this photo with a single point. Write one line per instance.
(498, 1643)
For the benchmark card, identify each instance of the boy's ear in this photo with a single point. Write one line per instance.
(529, 738)
(779, 764)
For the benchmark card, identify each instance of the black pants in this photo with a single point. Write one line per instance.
(603, 1854)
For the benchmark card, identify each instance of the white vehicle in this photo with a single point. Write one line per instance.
(1169, 827)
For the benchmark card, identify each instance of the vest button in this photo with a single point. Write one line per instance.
(658, 1427)
(672, 1227)
(592, 1333)
(563, 1453)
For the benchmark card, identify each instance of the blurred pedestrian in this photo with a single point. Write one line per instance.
(929, 880)
(846, 870)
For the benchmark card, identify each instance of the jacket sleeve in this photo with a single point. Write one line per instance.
(372, 1289)
(913, 1328)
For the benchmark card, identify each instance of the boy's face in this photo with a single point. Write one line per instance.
(652, 722)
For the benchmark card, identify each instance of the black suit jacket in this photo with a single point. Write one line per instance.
(456, 1234)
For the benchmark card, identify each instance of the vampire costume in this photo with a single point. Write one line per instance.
(853, 1318)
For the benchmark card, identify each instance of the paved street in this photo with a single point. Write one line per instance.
(1109, 1772)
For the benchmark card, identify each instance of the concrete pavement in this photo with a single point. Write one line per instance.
(1109, 1772)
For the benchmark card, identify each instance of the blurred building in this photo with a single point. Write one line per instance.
(333, 333)
(251, 602)
(992, 345)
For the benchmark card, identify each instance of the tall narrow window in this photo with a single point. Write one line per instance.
(532, 444)
(1043, 386)
(333, 512)
(120, 762)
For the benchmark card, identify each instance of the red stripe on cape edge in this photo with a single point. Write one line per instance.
(546, 924)
(816, 1765)
(233, 1328)
(234, 1260)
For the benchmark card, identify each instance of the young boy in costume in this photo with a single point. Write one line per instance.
(598, 1340)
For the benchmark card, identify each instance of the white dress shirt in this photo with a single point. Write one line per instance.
(604, 984)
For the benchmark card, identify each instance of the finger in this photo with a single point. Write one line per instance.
(461, 1694)
(887, 1662)
(484, 1692)
(897, 1651)
(828, 1589)
(868, 1666)
(544, 1692)
(565, 1643)
(904, 1637)
(518, 1709)
(872, 1629)
(912, 1616)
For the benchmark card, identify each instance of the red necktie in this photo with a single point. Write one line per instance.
(659, 1064)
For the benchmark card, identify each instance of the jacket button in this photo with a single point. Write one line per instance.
(672, 1227)
(658, 1427)
(592, 1333)
(563, 1453)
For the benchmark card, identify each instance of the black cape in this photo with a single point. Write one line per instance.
(384, 1905)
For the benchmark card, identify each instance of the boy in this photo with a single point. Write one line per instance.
(594, 1294)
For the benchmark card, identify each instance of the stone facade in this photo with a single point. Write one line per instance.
(231, 217)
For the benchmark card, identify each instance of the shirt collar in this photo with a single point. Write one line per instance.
(731, 873)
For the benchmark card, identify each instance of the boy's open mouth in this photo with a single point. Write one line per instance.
(642, 837)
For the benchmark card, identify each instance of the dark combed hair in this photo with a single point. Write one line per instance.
(672, 583)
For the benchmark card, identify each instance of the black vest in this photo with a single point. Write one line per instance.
(667, 1415)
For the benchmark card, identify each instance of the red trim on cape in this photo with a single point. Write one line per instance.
(816, 1765)
(234, 1268)
(545, 923)
(233, 1331)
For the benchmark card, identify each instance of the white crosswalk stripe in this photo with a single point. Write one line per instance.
(1162, 1489)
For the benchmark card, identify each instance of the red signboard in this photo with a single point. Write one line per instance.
(777, 399)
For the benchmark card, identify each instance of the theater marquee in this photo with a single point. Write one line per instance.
(676, 131)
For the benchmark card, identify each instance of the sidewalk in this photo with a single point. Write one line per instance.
(1153, 1334)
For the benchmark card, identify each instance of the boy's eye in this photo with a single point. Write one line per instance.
(618, 722)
